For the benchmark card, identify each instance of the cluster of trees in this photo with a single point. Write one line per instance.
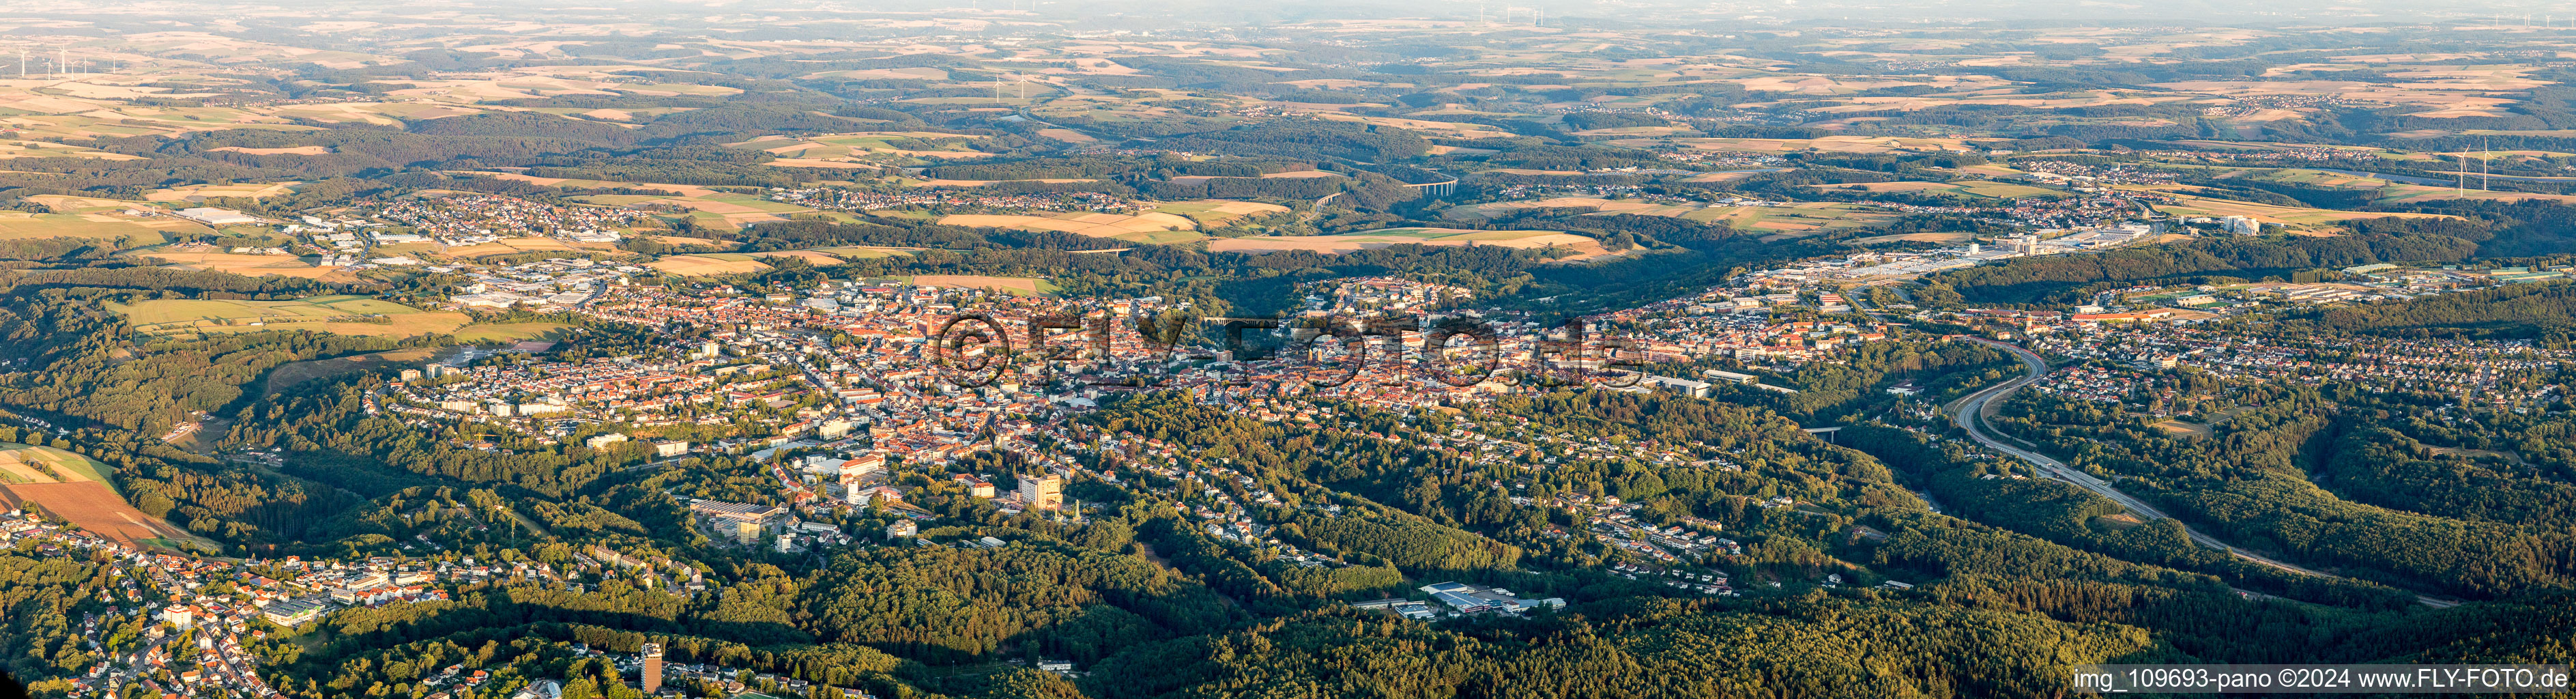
(1635, 648)
(1408, 542)
(2380, 465)
(41, 595)
(1307, 138)
(947, 605)
(2073, 278)
(1553, 157)
(1237, 187)
(2523, 311)
(675, 171)
(914, 233)
(2249, 483)
(1587, 121)
(329, 438)
(75, 361)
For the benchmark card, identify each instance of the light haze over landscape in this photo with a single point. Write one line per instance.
(1151, 350)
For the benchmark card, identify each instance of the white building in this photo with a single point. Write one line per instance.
(215, 217)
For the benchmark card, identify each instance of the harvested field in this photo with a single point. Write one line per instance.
(513, 246)
(1218, 212)
(1583, 248)
(1066, 135)
(685, 240)
(102, 228)
(202, 192)
(96, 509)
(67, 204)
(1098, 225)
(23, 463)
(818, 259)
(706, 265)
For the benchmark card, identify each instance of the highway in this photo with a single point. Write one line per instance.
(1970, 416)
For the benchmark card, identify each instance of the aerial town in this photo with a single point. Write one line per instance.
(783, 349)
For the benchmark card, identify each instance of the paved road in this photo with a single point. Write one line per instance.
(1971, 417)
(1862, 304)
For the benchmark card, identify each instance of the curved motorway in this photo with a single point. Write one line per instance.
(1971, 417)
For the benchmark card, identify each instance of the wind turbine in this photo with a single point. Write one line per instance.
(2463, 187)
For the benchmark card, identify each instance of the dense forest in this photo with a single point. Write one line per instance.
(2264, 479)
(2063, 279)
